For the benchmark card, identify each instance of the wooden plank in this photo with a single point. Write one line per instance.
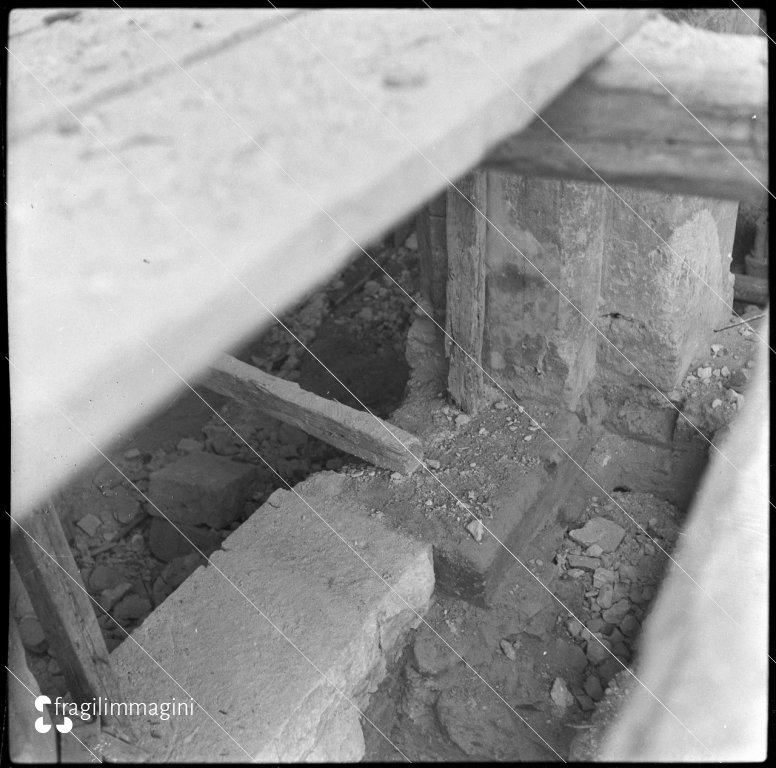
(41, 554)
(187, 258)
(431, 229)
(356, 432)
(631, 131)
(755, 290)
(466, 233)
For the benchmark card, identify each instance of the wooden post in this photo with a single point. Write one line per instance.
(466, 233)
(431, 227)
(51, 577)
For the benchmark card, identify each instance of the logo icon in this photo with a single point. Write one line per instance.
(41, 727)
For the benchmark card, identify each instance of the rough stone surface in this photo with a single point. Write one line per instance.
(214, 637)
(661, 298)
(535, 341)
(482, 726)
(601, 531)
(201, 488)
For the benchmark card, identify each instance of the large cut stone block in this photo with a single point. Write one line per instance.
(662, 294)
(282, 636)
(536, 342)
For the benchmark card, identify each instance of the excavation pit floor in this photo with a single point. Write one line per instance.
(521, 647)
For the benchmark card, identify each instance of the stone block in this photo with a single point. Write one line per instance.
(269, 637)
(662, 294)
(535, 342)
(202, 488)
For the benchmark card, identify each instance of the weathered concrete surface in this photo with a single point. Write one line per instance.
(266, 701)
(659, 302)
(536, 343)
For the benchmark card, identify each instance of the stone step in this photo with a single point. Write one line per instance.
(259, 698)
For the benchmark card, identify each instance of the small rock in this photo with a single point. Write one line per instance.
(605, 596)
(396, 477)
(575, 573)
(560, 694)
(500, 405)
(604, 576)
(598, 530)
(586, 563)
(476, 529)
(462, 419)
(724, 371)
(411, 243)
(574, 627)
(432, 655)
(738, 380)
(717, 350)
(189, 445)
(433, 464)
(111, 596)
(593, 688)
(609, 668)
(630, 626)
(102, 578)
(89, 523)
(586, 704)
(508, 650)
(131, 608)
(597, 650)
(32, 635)
(716, 403)
(594, 550)
(617, 612)
(704, 373)
(132, 453)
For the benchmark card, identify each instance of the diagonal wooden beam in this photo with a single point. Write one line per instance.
(356, 432)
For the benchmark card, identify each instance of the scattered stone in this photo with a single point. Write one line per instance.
(605, 596)
(704, 373)
(32, 635)
(593, 688)
(167, 541)
(560, 694)
(462, 419)
(599, 530)
(724, 371)
(222, 440)
(500, 406)
(111, 596)
(433, 464)
(596, 624)
(432, 655)
(617, 612)
(630, 626)
(609, 668)
(738, 380)
(585, 702)
(594, 550)
(597, 650)
(575, 573)
(476, 529)
(103, 577)
(583, 562)
(717, 350)
(202, 488)
(189, 445)
(132, 453)
(716, 403)
(131, 608)
(411, 243)
(482, 726)
(574, 627)
(396, 477)
(89, 523)
(508, 650)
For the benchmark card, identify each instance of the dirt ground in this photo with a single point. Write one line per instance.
(522, 674)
